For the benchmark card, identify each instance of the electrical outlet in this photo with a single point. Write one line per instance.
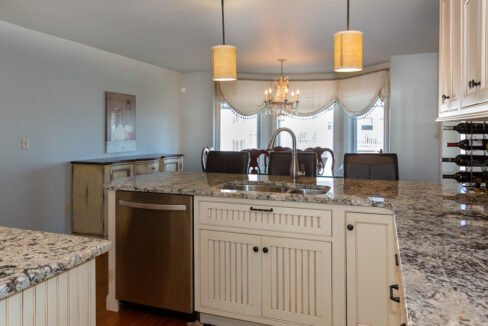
(25, 143)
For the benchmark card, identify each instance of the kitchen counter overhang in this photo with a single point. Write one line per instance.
(30, 257)
(441, 234)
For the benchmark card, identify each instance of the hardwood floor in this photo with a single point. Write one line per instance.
(128, 315)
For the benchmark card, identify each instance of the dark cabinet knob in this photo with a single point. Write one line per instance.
(265, 250)
(473, 83)
(350, 227)
(255, 249)
(445, 97)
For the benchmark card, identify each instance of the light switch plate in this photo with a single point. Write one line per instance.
(25, 143)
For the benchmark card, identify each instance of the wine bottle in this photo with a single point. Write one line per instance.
(471, 144)
(469, 128)
(467, 160)
(464, 176)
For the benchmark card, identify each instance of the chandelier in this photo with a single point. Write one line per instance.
(281, 101)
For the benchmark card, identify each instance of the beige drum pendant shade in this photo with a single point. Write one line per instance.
(348, 51)
(224, 63)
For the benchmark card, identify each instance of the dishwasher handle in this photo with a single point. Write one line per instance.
(157, 207)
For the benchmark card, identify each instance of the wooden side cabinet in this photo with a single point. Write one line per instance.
(89, 199)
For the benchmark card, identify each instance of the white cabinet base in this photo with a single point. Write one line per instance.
(67, 299)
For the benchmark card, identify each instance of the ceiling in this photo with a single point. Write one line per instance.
(178, 34)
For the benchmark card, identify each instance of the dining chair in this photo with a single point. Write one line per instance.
(371, 166)
(254, 158)
(227, 162)
(320, 161)
(279, 163)
(204, 155)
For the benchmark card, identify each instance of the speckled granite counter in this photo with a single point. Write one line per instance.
(442, 236)
(30, 257)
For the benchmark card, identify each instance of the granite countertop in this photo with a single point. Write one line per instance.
(442, 234)
(122, 159)
(31, 257)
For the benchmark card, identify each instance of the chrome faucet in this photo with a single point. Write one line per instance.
(294, 159)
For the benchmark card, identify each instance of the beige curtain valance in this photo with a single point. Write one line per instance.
(355, 95)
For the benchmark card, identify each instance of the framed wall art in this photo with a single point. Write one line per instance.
(121, 122)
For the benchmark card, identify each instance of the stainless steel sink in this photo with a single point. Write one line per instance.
(261, 188)
(276, 189)
(305, 192)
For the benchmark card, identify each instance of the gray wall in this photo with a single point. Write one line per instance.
(52, 91)
(414, 134)
(197, 117)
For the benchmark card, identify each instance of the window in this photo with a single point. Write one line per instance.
(310, 131)
(237, 132)
(370, 130)
(331, 128)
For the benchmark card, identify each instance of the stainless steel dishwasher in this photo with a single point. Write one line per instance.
(154, 256)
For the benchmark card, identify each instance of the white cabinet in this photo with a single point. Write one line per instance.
(282, 263)
(473, 52)
(463, 59)
(230, 274)
(371, 271)
(249, 270)
(450, 55)
(297, 280)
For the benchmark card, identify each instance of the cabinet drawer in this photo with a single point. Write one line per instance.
(171, 164)
(119, 171)
(267, 217)
(144, 167)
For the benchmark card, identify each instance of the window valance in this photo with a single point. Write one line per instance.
(355, 95)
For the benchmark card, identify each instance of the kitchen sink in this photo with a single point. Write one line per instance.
(255, 187)
(307, 191)
(319, 190)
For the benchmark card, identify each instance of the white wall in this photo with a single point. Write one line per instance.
(52, 90)
(197, 117)
(414, 134)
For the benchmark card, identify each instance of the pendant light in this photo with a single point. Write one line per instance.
(223, 58)
(348, 49)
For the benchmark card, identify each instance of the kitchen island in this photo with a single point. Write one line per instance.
(47, 278)
(440, 234)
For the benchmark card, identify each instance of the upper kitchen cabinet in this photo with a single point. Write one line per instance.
(463, 59)
(450, 56)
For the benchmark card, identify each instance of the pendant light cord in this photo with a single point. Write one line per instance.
(347, 13)
(223, 23)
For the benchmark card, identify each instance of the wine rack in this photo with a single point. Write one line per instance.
(473, 162)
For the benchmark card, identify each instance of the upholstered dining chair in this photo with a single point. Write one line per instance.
(227, 162)
(371, 166)
(279, 163)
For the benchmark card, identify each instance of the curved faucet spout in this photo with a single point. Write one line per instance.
(294, 158)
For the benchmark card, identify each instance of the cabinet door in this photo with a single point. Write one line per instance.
(145, 167)
(297, 280)
(172, 164)
(230, 272)
(473, 50)
(370, 247)
(119, 171)
(450, 55)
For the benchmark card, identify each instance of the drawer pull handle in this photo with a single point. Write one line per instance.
(267, 210)
(156, 207)
(350, 227)
(255, 249)
(393, 298)
(265, 250)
